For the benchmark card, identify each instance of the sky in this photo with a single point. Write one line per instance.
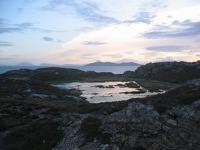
(85, 31)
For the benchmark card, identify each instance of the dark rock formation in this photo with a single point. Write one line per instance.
(176, 72)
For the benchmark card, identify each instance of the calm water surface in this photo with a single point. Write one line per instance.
(94, 92)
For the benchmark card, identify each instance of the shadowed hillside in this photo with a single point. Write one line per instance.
(176, 72)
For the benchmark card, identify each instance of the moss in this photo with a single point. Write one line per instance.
(105, 138)
(8, 122)
(154, 85)
(90, 128)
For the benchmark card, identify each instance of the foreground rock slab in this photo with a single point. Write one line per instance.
(137, 126)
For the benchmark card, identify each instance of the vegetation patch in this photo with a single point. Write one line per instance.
(39, 135)
(90, 128)
(154, 85)
(185, 94)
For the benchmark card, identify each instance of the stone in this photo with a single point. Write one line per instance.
(171, 122)
(78, 99)
(42, 96)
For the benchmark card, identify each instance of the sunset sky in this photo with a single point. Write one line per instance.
(84, 31)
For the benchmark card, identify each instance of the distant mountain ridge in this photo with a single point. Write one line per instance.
(25, 64)
(99, 63)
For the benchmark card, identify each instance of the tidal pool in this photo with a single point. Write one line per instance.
(97, 92)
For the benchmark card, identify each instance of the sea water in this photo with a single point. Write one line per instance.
(97, 92)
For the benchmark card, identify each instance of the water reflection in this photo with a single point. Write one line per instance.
(97, 92)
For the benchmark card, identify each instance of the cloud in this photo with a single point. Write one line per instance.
(48, 39)
(8, 28)
(165, 59)
(6, 44)
(184, 29)
(168, 48)
(88, 55)
(7, 58)
(93, 43)
(113, 55)
(89, 11)
(143, 17)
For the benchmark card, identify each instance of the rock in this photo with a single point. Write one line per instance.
(68, 119)
(104, 147)
(78, 99)
(70, 124)
(17, 96)
(133, 139)
(42, 96)
(171, 122)
(137, 127)
(165, 128)
(28, 90)
(176, 72)
(53, 97)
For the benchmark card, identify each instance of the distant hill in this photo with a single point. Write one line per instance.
(56, 65)
(25, 64)
(48, 65)
(99, 63)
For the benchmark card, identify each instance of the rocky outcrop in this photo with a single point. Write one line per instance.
(176, 72)
(137, 126)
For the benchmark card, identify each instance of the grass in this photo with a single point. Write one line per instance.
(154, 85)
(19, 78)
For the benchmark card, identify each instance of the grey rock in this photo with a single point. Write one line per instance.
(68, 119)
(165, 128)
(138, 127)
(28, 90)
(78, 99)
(42, 96)
(171, 122)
